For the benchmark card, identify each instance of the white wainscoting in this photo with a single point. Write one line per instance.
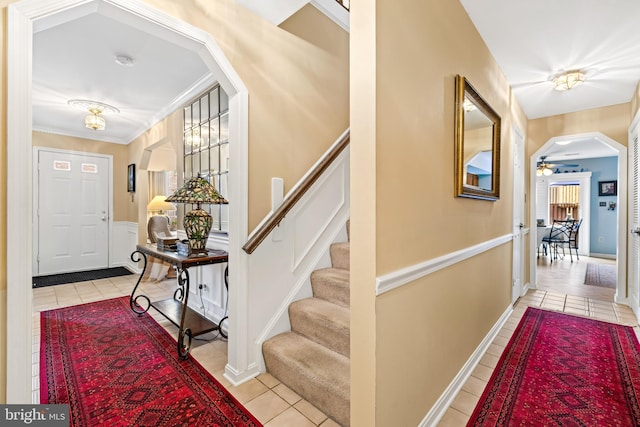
(123, 241)
(280, 268)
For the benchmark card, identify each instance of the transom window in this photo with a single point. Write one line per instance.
(206, 148)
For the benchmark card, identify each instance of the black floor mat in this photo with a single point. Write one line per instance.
(78, 276)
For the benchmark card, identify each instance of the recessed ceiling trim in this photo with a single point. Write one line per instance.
(198, 88)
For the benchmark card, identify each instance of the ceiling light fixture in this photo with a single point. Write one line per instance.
(94, 120)
(568, 80)
(124, 60)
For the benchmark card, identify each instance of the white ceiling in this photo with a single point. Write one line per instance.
(533, 41)
(75, 59)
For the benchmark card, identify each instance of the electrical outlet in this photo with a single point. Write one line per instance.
(202, 286)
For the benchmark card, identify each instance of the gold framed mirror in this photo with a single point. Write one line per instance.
(477, 145)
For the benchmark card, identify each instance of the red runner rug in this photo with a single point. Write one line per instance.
(115, 368)
(563, 370)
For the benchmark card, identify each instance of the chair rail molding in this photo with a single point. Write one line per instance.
(404, 276)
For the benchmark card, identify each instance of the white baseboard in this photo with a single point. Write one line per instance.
(444, 402)
(605, 256)
(238, 377)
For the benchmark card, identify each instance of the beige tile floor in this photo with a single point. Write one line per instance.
(463, 405)
(276, 405)
(271, 402)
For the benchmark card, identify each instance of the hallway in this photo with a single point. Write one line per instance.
(273, 403)
(566, 277)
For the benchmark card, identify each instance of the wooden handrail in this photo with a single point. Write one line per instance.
(289, 202)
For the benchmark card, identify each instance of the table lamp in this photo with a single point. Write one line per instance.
(197, 223)
(159, 204)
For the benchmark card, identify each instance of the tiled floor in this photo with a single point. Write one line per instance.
(271, 402)
(276, 405)
(463, 405)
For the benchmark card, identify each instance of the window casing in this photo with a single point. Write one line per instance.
(206, 148)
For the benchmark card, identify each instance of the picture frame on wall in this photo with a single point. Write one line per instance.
(131, 178)
(607, 188)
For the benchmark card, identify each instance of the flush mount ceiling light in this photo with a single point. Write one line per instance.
(568, 80)
(94, 120)
(124, 60)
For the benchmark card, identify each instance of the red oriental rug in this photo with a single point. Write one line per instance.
(115, 368)
(563, 370)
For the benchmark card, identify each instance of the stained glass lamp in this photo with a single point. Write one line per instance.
(197, 223)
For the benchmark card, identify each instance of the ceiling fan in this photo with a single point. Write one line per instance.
(546, 169)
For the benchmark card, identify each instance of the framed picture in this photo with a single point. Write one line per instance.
(607, 188)
(131, 178)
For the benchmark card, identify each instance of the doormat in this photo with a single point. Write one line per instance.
(78, 276)
(603, 275)
(116, 368)
(563, 370)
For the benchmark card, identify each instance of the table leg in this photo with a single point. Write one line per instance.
(133, 301)
(182, 294)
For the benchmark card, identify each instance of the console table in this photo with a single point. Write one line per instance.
(190, 323)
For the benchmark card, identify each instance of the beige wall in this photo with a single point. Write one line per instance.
(298, 101)
(169, 130)
(297, 82)
(402, 120)
(612, 121)
(121, 199)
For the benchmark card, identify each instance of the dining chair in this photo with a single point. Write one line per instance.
(573, 239)
(559, 237)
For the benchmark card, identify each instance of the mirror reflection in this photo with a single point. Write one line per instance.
(477, 145)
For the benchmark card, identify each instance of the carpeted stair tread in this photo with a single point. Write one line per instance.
(340, 255)
(316, 373)
(322, 322)
(331, 284)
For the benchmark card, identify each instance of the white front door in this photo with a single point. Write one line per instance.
(72, 212)
(518, 215)
(634, 219)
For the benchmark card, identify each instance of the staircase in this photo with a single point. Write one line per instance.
(313, 359)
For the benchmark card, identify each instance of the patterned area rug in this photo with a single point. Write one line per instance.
(562, 370)
(603, 275)
(117, 369)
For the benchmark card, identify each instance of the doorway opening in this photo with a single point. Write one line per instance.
(22, 18)
(542, 211)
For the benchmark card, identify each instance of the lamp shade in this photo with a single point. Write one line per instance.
(197, 223)
(197, 190)
(159, 203)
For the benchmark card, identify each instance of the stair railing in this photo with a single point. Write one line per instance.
(296, 193)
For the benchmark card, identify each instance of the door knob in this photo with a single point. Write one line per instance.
(104, 218)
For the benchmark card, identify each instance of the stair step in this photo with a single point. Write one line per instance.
(322, 322)
(331, 284)
(319, 375)
(340, 255)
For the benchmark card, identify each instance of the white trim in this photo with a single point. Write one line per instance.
(412, 273)
(621, 256)
(334, 11)
(443, 403)
(21, 18)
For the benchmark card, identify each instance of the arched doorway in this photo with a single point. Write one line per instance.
(22, 17)
(621, 250)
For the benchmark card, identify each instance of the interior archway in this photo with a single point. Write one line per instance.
(621, 251)
(22, 18)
